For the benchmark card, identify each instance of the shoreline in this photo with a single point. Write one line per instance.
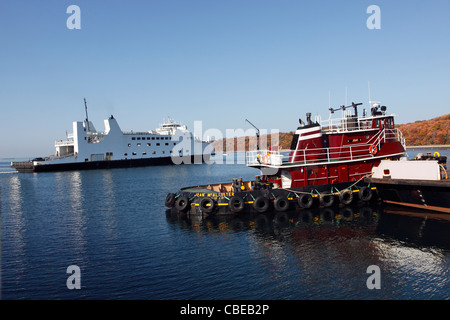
(436, 146)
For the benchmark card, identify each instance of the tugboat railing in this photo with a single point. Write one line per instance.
(324, 155)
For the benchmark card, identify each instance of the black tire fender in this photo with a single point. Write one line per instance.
(182, 204)
(326, 199)
(281, 203)
(207, 205)
(170, 200)
(261, 204)
(365, 193)
(346, 197)
(236, 204)
(305, 201)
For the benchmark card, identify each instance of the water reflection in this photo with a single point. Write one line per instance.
(13, 219)
(418, 227)
(109, 193)
(76, 214)
(272, 223)
(324, 253)
(374, 220)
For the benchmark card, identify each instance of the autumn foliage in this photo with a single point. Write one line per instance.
(428, 132)
(249, 143)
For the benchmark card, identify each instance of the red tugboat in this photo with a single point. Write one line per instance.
(327, 163)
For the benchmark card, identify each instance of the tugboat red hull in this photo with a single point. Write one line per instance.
(326, 166)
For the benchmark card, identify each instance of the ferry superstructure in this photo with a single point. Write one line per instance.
(87, 148)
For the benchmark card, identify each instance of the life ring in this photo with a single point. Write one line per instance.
(207, 205)
(326, 199)
(346, 197)
(170, 200)
(373, 149)
(261, 204)
(236, 204)
(305, 201)
(266, 159)
(436, 154)
(365, 193)
(281, 203)
(182, 204)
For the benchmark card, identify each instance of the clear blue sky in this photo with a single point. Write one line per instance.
(219, 61)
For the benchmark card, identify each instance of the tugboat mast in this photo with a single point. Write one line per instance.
(87, 118)
(257, 134)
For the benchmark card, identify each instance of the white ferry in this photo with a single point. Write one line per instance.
(87, 148)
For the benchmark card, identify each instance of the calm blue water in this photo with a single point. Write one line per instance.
(114, 226)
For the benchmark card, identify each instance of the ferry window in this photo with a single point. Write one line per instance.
(149, 144)
(129, 144)
(134, 153)
(153, 138)
(133, 138)
(157, 138)
(174, 143)
(167, 143)
(163, 152)
(138, 144)
(144, 153)
(154, 152)
(125, 154)
(148, 138)
(157, 144)
(139, 138)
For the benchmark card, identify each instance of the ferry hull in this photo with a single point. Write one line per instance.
(105, 164)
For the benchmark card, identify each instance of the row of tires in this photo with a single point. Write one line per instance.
(281, 203)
